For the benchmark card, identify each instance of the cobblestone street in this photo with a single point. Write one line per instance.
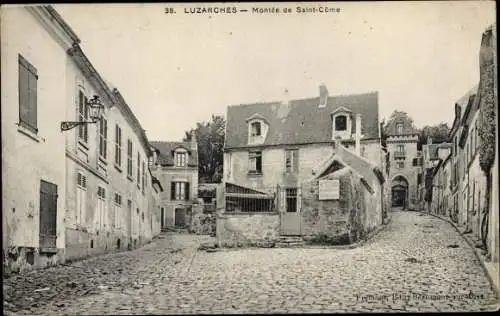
(415, 255)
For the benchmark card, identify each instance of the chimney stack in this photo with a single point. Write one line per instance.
(286, 97)
(194, 144)
(357, 136)
(323, 95)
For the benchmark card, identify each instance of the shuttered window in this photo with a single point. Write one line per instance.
(138, 170)
(83, 115)
(143, 176)
(81, 198)
(28, 79)
(103, 138)
(118, 210)
(179, 191)
(48, 214)
(291, 160)
(129, 158)
(118, 146)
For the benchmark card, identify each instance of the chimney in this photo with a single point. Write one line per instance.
(323, 95)
(357, 136)
(193, 143)
(286, 98)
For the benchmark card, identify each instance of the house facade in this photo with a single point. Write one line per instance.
(272, 148)
(33, 186)
(71, 193)
(404, 162)
(175, 165)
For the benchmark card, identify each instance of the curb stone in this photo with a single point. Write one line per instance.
(472, 246)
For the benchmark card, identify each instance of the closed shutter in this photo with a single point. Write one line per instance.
(172, 191)
(295, 160)
(48, 214)
(27, 86)
(187, 190)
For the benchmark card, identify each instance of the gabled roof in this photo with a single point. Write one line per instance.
(165, 152)
(301, 121)
(361, 165)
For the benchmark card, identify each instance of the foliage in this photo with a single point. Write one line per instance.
(210, 138)
(439, 133)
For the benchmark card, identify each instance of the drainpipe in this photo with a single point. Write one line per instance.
(358, 134)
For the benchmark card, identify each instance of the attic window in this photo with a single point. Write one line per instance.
(399, 128)
(341, 123)
(180, 159)
(256, 130)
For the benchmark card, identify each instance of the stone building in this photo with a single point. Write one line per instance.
(33, 150)
(272, 148)
(401, 140)
(175, 165)
(72, 193)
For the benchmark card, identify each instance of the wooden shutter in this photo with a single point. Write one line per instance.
(172, 191)
(295, 165)
(27, 86)
(48, 214)
(187, 190)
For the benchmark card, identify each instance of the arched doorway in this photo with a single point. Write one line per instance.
(399, 192)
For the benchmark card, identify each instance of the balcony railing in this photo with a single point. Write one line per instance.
(399, 155)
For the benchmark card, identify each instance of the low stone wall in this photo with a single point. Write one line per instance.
(21, 259)
(339, 221)
(203, 224)
(241, 229)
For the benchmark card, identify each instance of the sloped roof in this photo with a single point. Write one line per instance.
(361, 165)
(301, 121)
(165, 152)
(408, 127)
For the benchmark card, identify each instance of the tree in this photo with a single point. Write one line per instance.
(439, 133)
(210, 138)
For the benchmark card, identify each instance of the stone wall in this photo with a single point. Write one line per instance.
(342, 220)
(357, 212)
(254, 229)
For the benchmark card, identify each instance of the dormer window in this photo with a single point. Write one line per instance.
(256, 129)
(180, 158)
(341, 123)
(399, 128)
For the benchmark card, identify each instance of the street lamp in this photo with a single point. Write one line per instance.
(95, 110)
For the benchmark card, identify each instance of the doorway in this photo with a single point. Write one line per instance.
(290, 217)
(180, 217)
(399, 192)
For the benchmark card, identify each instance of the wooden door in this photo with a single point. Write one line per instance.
(180, 217)
(290, 214)
(48, 214)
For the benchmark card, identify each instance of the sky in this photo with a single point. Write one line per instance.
(175, 70)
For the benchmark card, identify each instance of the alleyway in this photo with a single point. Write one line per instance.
(415, 254)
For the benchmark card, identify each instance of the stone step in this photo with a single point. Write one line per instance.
(289, 244)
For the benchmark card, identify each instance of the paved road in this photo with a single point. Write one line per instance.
(418, 263)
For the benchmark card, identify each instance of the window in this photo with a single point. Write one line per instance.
(143, 176)
(255, 162)
(118, 146)
(400, 148)
(118, 210)
(103, 138)
(179, 191)
(256, 129)
(399, 128)
(150, 161)
(27, 81)
(101, 207)
(138, 170)
(291, 200)
(129, 158)
(400, 164)
(83, 115)
(291, 160)
(180, 159)
(81, 198)
(341, 123)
